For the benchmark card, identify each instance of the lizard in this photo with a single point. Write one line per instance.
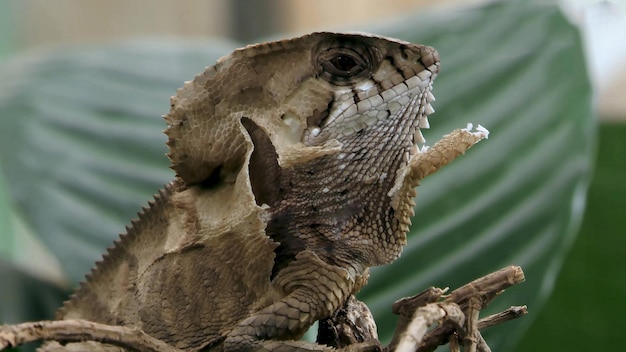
(296, 164)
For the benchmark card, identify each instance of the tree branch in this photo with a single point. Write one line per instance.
(81, 330)
(471, 298)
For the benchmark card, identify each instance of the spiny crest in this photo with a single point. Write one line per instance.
(111, 259)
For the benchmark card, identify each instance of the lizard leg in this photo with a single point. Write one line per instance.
(315, 289)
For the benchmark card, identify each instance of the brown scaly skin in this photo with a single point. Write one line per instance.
(296, 167)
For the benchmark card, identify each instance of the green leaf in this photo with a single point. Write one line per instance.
(27, 297)
(81, 149)
(6, 227)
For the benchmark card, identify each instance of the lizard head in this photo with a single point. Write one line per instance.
(325, 123)
(378, 98)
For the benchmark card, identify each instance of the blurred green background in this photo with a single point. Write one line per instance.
(588, 298)
(81, 150)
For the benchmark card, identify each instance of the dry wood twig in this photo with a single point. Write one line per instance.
(425, 317)
(470, 299)
(81, 330)
(456, 314)
(353, 323)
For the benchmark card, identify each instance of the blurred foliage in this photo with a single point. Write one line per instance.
(81, 150)
(5, 29)
(586, 308)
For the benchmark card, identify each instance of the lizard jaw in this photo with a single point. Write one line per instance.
(425, 109)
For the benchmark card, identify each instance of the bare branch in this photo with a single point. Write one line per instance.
(353, 323)
(423, 319)
(406, 307)
(469, 299)
(488, 286)
(499, 318)
(81, 330)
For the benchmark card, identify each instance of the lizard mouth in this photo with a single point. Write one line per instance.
(421, 106)
(417, 106)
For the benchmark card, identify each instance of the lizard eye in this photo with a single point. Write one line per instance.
(341, 64)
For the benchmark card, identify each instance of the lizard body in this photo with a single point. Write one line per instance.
(296, 164)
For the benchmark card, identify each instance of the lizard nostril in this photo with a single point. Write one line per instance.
(429, 57)
(406, 54)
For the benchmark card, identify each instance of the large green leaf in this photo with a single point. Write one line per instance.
(81, 148)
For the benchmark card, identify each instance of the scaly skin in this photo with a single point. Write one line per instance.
(296, 167)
